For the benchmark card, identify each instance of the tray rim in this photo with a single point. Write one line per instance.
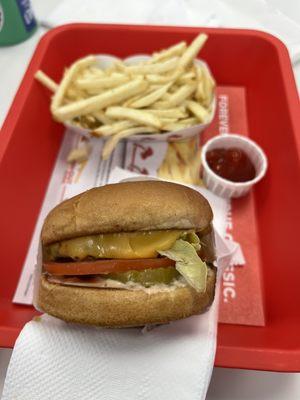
(226, 356)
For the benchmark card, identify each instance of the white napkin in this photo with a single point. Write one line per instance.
(55, 360)
(255, 14)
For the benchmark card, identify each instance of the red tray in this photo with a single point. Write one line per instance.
(30, 140)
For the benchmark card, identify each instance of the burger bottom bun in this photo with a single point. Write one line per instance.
(123, 308)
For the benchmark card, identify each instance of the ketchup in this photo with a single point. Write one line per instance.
(232, 164)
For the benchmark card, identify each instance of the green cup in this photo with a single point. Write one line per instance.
(17, 21)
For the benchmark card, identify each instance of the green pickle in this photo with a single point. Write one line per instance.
(147, 277)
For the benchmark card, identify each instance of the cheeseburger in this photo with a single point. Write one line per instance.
(128, 254)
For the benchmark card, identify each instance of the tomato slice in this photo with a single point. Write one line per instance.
(106, 266)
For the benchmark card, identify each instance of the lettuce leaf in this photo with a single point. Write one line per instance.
(193, 239)
(188, 263)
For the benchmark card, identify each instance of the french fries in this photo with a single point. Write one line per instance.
(176, 50)
(151, 97)
(114, 140)
(101, 117)
(108, 130)
(140, 116)
(199, 111)
(79, 154)
(93, 85)
(169, 91)
(46, 81)
(94, 103)
(157, 68)
(70, 74)
(183, 93)
(182, 162)
(169, 113)
(191, 52)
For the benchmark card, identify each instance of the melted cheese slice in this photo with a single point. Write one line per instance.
(117, 245)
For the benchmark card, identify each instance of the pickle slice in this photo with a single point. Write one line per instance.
(147, 277)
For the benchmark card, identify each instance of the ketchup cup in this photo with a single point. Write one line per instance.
(224, 187)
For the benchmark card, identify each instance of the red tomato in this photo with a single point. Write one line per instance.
(105, 266)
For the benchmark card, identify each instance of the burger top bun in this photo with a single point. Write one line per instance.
(127, 207)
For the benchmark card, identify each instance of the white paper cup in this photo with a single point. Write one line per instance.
(223, 187)
(105, 61)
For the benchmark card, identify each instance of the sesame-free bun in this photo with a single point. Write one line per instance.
(127, 207)
(122, 308)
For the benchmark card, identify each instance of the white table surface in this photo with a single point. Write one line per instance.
(226, 384)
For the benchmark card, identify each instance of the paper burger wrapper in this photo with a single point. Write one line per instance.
(223, 187)
(105, 61)
(37, 276)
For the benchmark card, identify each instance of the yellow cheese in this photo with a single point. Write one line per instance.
(116, 245)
